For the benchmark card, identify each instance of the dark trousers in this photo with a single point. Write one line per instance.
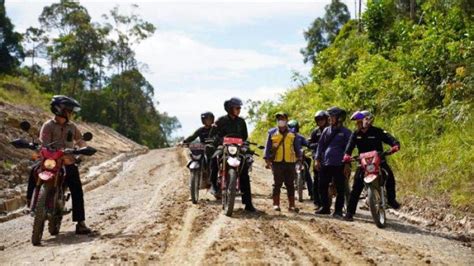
(316, 197)
(358, 186)
(309, 180)
(74, 184)
(330, 174)
(284, 173)
(245, 186)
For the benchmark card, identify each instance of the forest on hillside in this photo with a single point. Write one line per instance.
(93, 62)
(410, 63)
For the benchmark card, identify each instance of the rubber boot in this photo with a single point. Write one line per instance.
(276, 203)
(291, 201)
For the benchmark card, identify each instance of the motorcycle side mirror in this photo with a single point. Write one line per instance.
(25, 126)
(87, 136)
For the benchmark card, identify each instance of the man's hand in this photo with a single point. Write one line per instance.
(268, 164)
(347, 158)
(317, 165)
(394, 149)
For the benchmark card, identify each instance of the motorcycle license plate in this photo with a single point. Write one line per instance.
(45, 176)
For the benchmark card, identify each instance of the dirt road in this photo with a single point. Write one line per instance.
(144, 215)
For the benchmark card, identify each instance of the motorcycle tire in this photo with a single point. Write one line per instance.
(300, 180)
(228, 196)
(194, 186)
(375, 206)
(40, 216)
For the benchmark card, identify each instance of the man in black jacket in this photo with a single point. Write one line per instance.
(321, 119)
(366, 139)
(233, 125)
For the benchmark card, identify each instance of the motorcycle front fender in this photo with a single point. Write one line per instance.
(233, 162)
(46, 176)
(192, 165)
(370, 178)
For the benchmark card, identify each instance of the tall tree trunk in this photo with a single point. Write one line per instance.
(412, 9)
(360, 18)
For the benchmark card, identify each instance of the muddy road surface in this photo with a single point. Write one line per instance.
(145, 216)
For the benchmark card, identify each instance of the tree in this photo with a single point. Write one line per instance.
(324, 30)
(36, 40)
(11, 51)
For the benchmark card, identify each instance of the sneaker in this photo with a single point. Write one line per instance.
(323, 211)
(82, 229)
(349, 217)
(337, 215)
(276, 208)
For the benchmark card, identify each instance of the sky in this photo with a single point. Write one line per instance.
(205, 52)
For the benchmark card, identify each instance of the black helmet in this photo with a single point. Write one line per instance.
(60, 103)
(232, 102)
(293, 124)
(337, 112)
(281, 114)
(321, 114)
(207, 115)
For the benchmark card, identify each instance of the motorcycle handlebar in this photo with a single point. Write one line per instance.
(381, 154)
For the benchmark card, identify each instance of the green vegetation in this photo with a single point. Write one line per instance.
(414, 71)
(91, 62)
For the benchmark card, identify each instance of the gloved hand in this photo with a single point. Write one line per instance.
(394, 149)
(347, 158)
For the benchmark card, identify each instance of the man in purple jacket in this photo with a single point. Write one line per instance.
(328, 160)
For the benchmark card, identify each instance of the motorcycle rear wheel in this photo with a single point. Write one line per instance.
(40, 216)
(375, 206)
(228, 197)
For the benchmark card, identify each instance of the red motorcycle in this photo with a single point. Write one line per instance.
(375, 178)
(235, 155)
(49, 197)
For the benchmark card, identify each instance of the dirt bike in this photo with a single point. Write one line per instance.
(302, 169)
(49, 197)
(199, 167)
(235, 155)
(375, 178)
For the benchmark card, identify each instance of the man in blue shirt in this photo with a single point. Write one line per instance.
(328, 160)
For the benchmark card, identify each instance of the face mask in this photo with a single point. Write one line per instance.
(282, 123)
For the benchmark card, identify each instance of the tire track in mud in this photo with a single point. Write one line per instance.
(145, 216)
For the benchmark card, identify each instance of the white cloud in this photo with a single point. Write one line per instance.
(174, 56)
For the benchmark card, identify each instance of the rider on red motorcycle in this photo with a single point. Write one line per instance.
(60, 133)
(233, 125)
(369, 138)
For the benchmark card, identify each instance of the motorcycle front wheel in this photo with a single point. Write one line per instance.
(194, 185)
(228, 197)
(300, 179)
(40, 216)
(375, 206)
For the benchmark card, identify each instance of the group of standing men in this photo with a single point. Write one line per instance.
(332, 145)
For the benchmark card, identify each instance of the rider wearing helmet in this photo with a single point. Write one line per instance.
(233, 125)
(207, 131)
(358, 116)
(282, 151)
(329, 156)
(60, 133)
(321, 120)
(369, 138)
(294, 127)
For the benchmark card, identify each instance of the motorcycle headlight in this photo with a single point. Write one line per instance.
(49, 164)
(370, 168)
(232, 150)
